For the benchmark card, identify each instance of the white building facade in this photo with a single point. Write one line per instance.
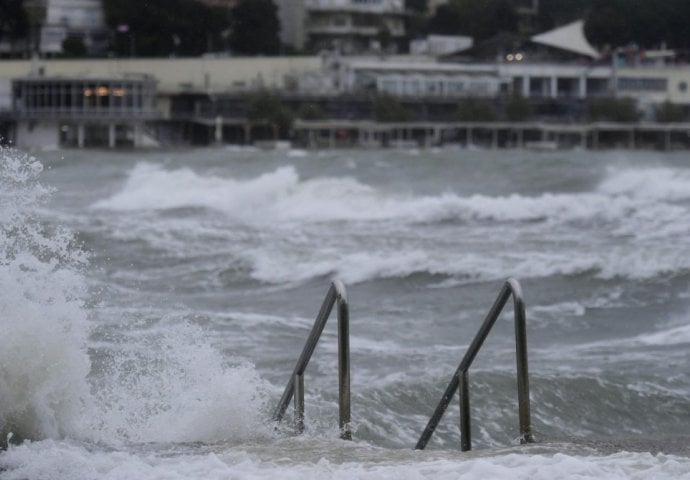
(348, 26)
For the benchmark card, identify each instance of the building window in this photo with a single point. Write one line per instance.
(642, 84)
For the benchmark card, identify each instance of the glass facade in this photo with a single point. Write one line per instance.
(84, 98)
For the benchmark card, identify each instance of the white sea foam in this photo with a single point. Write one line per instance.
(649, 184)
(50, 460)
(172, 387)
(622, 206)
(43, 364)
(281, 195)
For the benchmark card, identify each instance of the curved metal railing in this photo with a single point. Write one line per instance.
(336, 294)
(460, 378)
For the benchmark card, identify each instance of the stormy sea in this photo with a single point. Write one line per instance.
(153, 306)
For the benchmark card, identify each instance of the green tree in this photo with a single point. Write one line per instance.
(518, 108)
(419, 6)
(668, 112)
(264, 106)
(14, 23)
(310, 111)
(387, 108)
(476, 109)
(255, 28)
(166, 27)
(613, 110)
(73, 47)
(478, 19)
(647, 23)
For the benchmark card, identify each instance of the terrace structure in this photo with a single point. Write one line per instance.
(82, 112)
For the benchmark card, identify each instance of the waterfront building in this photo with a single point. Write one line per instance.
(79, 112)
(417, 77)
(347, 26)
(204, 100)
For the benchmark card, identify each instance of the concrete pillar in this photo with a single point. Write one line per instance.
(80, 135)
(667, 140)
(494, 138)
(111, 135)
(595, 139)
(219, 130)
(525, 86)
(138, 135)
(631, 139)
(582, 87)
(554, 86)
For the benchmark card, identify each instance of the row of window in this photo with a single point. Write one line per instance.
(436, 87)
(75, 97)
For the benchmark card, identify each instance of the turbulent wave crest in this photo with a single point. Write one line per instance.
(288, 220)
(281, 194)
(175, 387)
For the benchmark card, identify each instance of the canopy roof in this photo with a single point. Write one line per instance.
(570, 37)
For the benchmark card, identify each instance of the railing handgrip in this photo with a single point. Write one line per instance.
(510, 287)
(336, 294)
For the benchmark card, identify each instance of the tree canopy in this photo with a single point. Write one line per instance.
(14, 22)
(477, 19)
(165, 27)
(254, 28)
(647, 23)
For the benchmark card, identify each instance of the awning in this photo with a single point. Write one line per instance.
(570, 37)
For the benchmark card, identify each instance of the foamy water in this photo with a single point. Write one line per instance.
(154, 306)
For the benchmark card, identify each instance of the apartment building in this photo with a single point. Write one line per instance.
(348, 26)
(53, 21)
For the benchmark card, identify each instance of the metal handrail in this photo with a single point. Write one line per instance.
(295, 386)
(460, 378)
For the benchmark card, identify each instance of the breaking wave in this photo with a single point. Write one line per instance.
(171, 387)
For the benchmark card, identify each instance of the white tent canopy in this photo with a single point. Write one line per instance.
(570, 37)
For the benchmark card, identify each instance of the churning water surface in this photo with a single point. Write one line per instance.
(154, 304)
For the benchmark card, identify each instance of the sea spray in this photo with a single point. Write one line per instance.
(165, 385)
(43, 359)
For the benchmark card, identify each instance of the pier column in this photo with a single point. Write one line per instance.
(582, 87)
(554, 86)
(111, 135)
(219, 130)
(631, 139)
(525, 86)
(138, 135)
(80, 135)
(595, 139)
(667, 140)
(520, 138)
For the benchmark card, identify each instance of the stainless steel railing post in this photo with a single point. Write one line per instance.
(299, 403)
(336, 294)
(343, 361)
(465, 424)
(511, 287)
